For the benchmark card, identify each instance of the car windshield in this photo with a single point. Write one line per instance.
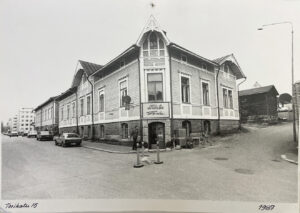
(72, 135)
(45, 133)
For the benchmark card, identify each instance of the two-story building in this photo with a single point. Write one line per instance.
(170, 88)
(46, 116)
(75, 104)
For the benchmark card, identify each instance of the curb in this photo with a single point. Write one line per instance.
(289, 160)
(120, 152)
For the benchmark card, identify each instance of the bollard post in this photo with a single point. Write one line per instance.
(138, 162)
(157, 150)
(143, 149)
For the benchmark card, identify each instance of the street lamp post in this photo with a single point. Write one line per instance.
(293, 104)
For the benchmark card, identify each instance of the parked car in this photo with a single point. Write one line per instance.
(24, 133)
(65, 139)
(44, 135)
(32, 134)
(14, 134)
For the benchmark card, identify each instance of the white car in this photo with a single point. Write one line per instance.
(32, 134)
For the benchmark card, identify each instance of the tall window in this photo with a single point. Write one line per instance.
(123, 92)
(153, 46)
(185, 90)
(101, 102)
(230, 99)
(68, 112)
(155, 87)
(81, 107)
(102, 131)
(124, 130)
(88, 105)
(227, 98)
(62, 113)
(73, 109)
(205, 94)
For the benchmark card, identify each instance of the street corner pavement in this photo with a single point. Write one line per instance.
(290, 157)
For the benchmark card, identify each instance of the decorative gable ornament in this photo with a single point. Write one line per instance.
(152, 25)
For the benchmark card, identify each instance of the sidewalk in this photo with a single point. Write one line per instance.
(290, 157)
(108, 147)
(118, 149)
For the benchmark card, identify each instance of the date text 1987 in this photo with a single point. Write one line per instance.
(266, 207)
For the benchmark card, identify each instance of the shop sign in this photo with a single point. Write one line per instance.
(155, 110)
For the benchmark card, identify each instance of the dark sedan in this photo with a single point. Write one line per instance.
(44, 135)
(68, 139)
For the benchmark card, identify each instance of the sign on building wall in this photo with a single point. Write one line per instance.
(155, 110)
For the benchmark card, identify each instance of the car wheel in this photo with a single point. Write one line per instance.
(79, 144)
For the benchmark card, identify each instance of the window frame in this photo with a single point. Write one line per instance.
(88, 105)
(209, 93)
(229, 100)
(125, 133)
(188, 90)
(121, 105)
(81, 101)
(181, 58)
(148, 49)
(101, 92)
(155, 82)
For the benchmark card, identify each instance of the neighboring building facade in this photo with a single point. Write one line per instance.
(25, 119)
(259, 104)
(75, 105)
(170, 88)
(13, 123)
(46, 116)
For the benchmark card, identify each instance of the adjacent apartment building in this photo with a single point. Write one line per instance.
(25, 119)
(169, 88)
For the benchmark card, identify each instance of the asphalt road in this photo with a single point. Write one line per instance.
(241, 167)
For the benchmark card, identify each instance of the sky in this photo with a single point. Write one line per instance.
(42, 40)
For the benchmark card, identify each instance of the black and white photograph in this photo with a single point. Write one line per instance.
(149, 105)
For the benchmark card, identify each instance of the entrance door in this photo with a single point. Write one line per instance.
(156, 130)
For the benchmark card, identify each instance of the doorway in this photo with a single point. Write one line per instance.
(156, 130)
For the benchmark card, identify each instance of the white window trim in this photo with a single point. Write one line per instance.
(68, 113)
(81, 107)
(181, 74)
(156, 71)
(100, 92)
(209, 92)
(119, 83)
(227, 88)
(74, 113)
(86, 98)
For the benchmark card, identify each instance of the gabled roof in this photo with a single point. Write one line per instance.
(191, 53)
(67, 93)
(258, 90)
(232, 62)
(45, 103)
(84, 67)
(219, 60)
(89, 67)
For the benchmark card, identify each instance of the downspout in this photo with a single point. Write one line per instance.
(240, 114)
(140, 96)
(171, 98)
(92, 101)
(218, 101)
(76, 105)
